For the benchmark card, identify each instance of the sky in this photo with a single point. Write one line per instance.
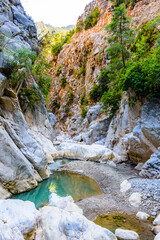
(58, 13)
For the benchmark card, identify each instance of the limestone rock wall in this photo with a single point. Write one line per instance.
(126, 134)
(26, 134)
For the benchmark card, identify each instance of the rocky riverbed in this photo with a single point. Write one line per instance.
(141, 195)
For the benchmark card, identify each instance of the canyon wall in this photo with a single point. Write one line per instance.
(26, 133)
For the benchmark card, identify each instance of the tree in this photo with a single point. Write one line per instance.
(121, 37)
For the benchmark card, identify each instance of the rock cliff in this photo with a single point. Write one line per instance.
(26, 133)
(80, 63)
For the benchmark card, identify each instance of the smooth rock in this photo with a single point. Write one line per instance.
(151, 168)
(157, 220)
(157, 237)
(55, 223)
(8, 232)
(156, 229)
(125, 186)
(65, 203)
(135, 199)
(142, 216)
(20, 214)
(126, 234)
(79, 151)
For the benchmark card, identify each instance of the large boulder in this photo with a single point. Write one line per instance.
(145, 138)
(20, 217)
(56, 223)
(21, 175)
(79, 151)
(151, 168)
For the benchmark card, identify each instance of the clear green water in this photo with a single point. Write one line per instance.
(115, 220)
(63, 184)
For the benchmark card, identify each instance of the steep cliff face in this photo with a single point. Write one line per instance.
(26, 133)
(80, 63)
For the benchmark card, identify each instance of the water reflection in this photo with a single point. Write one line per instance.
(63, 184)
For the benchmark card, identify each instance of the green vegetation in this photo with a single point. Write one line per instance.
(128, 3)
(41, 71)
(70, 97)
(99, 89)
(31, 96)
(80, 72)
(58, 70)
(134, 63)
(80, 26)
(63, 81)
(92, 18)
(59, 41)
(84, 112)
(83, 100)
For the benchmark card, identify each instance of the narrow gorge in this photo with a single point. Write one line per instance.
(80, 119)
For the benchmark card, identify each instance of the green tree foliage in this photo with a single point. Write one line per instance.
(92, 18)
(31, 96)
(63, 81)
(121, 37)
(128, 3)
(84, 112)
(59, 41)
(70, 97)
(102, 86)
(58, 70)
(80, 26)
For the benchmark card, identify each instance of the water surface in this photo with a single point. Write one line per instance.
(63, 184)
(116, 220)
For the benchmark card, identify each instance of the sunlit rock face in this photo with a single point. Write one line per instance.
(88, 49)
(26, 134)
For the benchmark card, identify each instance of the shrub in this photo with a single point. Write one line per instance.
(63, 82)
(70, 97)
(83, 100)
(67, 109)
(92, 18)
(80, 72)
(79, 26)
(84, 112)
(58, 70)
(60, 41)
(95, 93)
(31, 96)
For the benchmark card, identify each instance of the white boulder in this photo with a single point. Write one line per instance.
(126, 234)
(19, 214)
(94, 152)
(157, 220)
(56, 223)
(142, 216)
(65, 203)
(125, 186)
(9, 233)
(135, 199)
(157, 237)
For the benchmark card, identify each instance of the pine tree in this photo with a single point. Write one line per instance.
(121, 37)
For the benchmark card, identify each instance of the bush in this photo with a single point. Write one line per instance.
(31, 96)
(60, 41)
(70, 97)
(92, 18)
(84, 112)
(79, 26)
(63, 82)
(83, 100)
(58, 70)
(80, 72)
(95, 93)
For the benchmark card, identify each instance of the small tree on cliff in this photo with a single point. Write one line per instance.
(121, 37)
